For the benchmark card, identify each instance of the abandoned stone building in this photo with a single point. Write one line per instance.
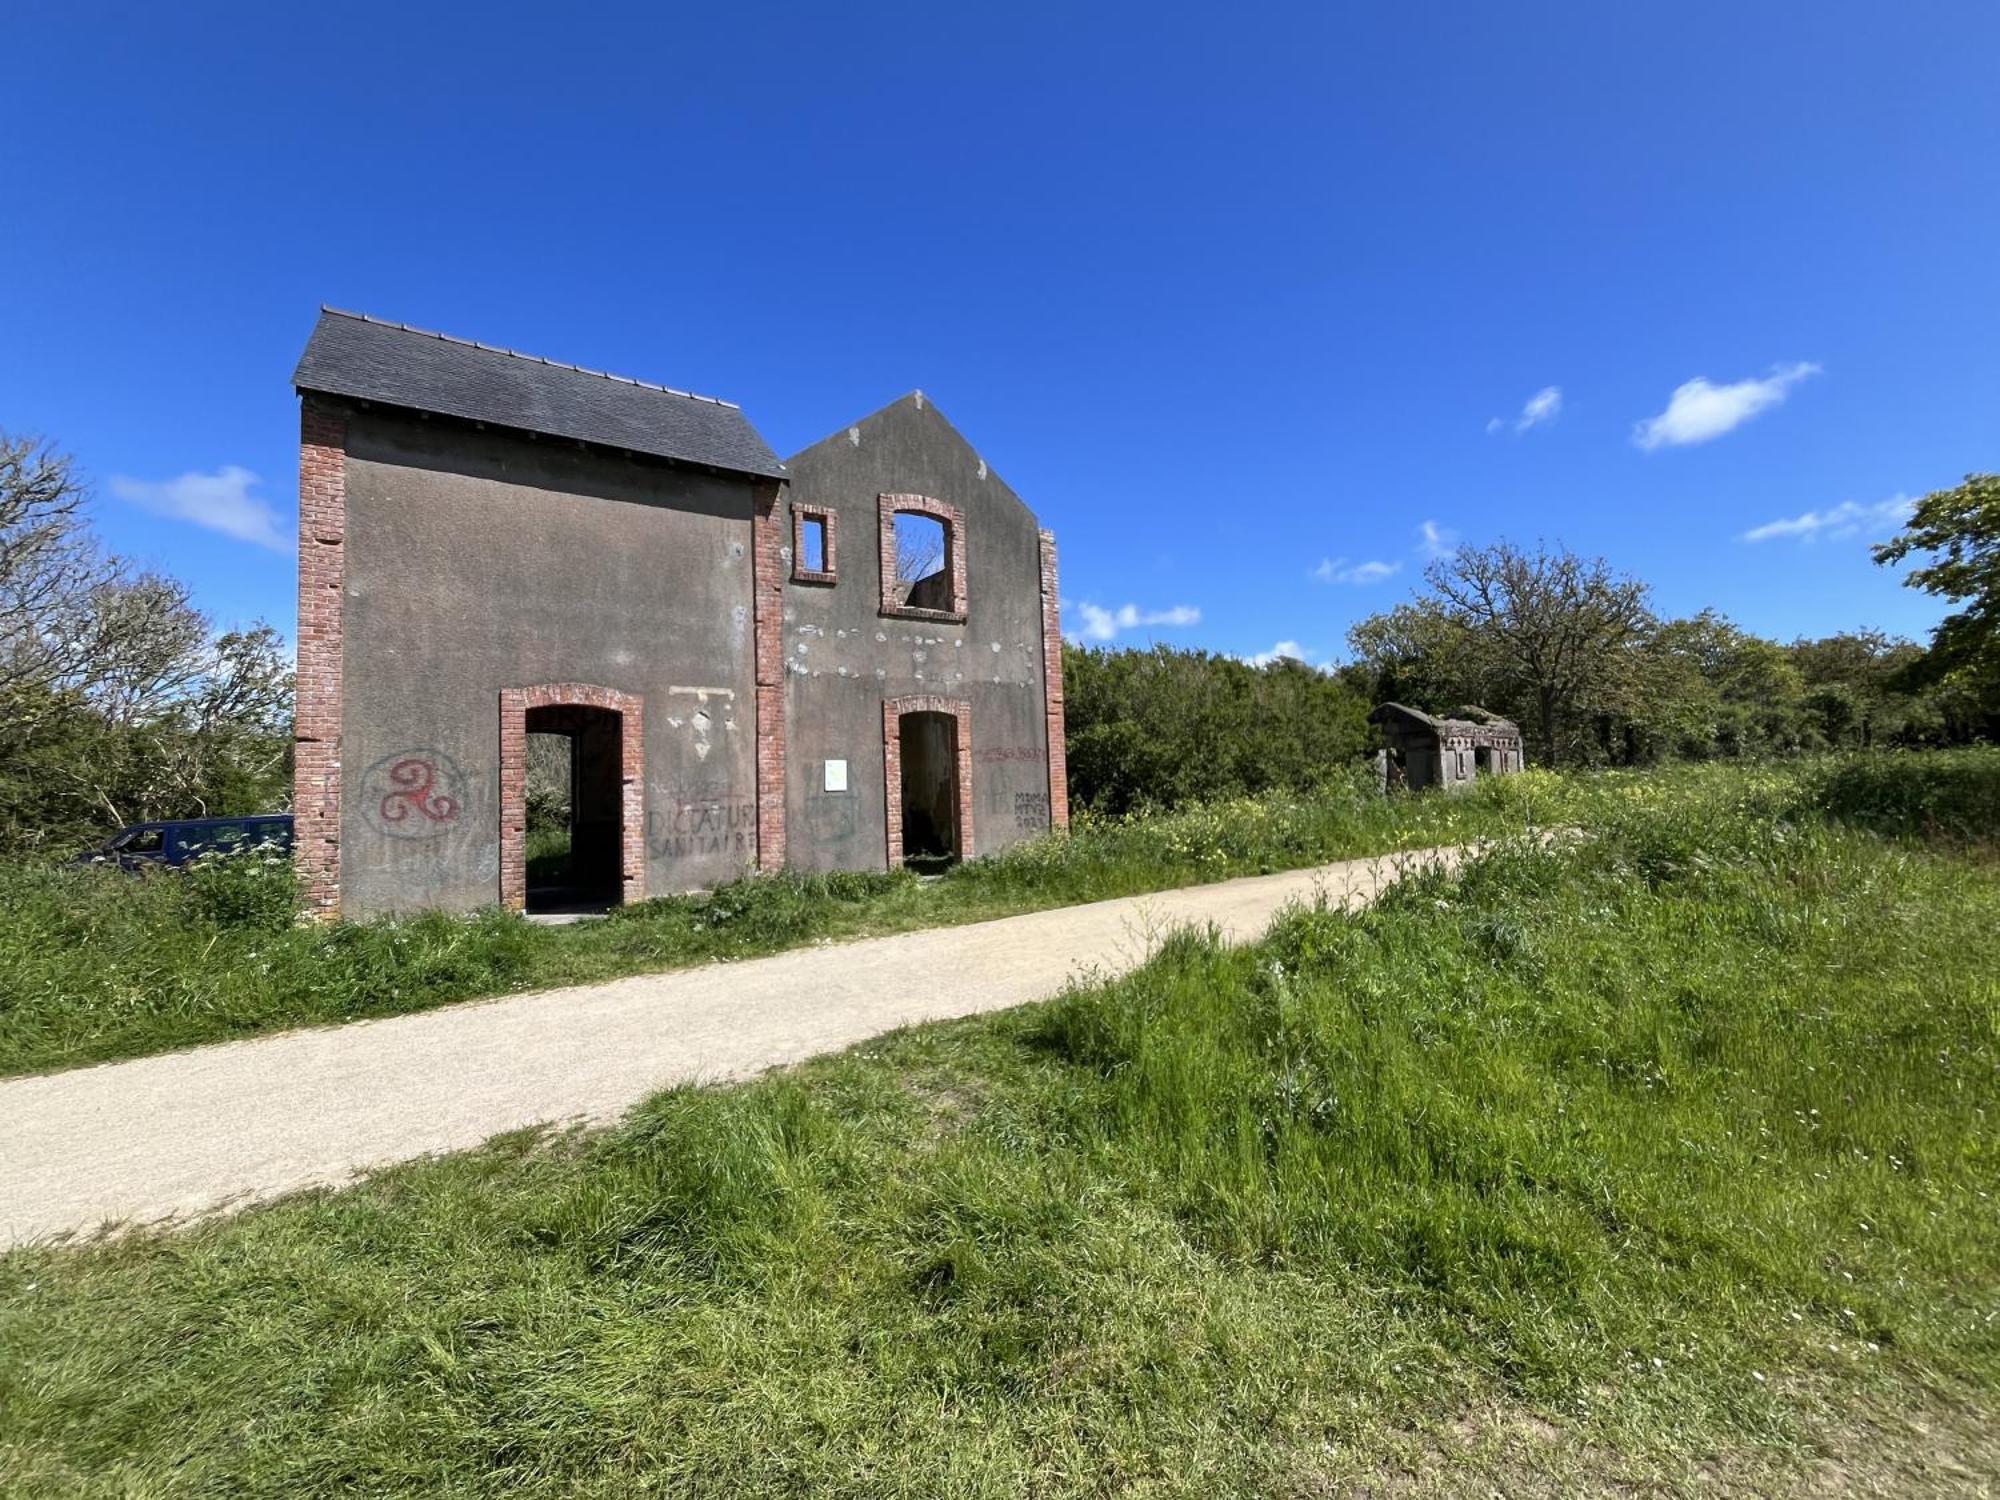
(1423, 751)
(494, 546)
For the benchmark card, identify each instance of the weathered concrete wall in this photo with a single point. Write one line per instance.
(478, 561)
(843, 656)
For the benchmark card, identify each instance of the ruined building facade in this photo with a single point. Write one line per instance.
(1422, 750)
(493, 546)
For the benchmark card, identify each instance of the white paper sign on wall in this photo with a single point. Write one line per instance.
(836, 776)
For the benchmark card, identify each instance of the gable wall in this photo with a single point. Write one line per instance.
(478, 561)
(843, 658)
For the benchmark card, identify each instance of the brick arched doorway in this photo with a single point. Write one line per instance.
(609, 726)
(927, 778)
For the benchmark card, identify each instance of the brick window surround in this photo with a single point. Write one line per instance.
(828, 520)
(893, 710)
(953, 520)
(514, 706)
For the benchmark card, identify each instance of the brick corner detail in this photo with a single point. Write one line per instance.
(1052, 686)
(316, 723)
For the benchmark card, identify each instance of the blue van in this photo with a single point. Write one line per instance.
(172, 843)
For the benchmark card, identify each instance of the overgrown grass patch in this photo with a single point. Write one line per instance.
(1658, 1159)
(97, 965)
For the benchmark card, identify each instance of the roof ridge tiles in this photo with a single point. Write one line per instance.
(539, 359)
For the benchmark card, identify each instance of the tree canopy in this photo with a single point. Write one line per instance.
(119, 700)
(1571, 649)
(1958, 531)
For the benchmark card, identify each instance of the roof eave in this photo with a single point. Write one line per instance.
(376, 403)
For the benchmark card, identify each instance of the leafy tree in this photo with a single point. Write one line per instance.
(118, 700)
(1163, 726)
(1859, 691)
(1959, 531)
(1546, 636)
(1420, 655)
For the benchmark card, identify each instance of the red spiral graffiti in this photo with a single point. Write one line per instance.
(414, 779)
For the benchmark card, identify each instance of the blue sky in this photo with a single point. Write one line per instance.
(1242, 300)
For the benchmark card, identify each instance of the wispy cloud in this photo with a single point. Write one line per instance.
(1839, 522)
(1434, 540)
(1540, 409)
(1095, 623)
(1340, 570)
(1701, 410)
(220, 501)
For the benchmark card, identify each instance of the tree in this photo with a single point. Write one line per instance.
(920, 547)
(1959, 529)
(1419, 655)
(1856, 693)
(72, 617)
(118, 700)
(1549, 633)
(1162, 726)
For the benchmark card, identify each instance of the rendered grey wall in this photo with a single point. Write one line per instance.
(477, 561)
(843, 657)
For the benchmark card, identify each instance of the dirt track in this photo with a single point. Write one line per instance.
(214, 1127)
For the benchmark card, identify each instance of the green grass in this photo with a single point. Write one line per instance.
(1660, 1159)
(95, 965)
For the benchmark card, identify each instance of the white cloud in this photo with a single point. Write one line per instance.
(1700, 410)
(1340, 570)
(1100, 624)
(1847, 519)
(1434, 540)
(1282, 651)
(1542, 407)
(220, 501)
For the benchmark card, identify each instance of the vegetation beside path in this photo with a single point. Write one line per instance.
(1658, 1160)
(95, 965)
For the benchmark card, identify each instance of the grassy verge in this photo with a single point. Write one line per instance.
(95, 965)
(1660, 1160)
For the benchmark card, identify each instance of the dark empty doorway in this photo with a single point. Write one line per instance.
(585, 870)
(929, 753)
(1482, 760)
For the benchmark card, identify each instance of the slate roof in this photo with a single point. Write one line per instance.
(367, 359)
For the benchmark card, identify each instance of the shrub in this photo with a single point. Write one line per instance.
(1953, 794)
(250, 888)
(1162, 727)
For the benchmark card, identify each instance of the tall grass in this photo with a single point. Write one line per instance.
(1660, 1159)
(97, 965)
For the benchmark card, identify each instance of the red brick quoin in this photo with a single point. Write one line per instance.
(316, 726)
(1052, 686)
(768, 621)
(514, 706)
(954, 547)
(893, 710)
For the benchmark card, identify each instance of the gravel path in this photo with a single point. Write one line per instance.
(218, 1127)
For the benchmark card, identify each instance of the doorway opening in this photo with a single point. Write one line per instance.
(929, 792)
(1482, 760)
(575, 808)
